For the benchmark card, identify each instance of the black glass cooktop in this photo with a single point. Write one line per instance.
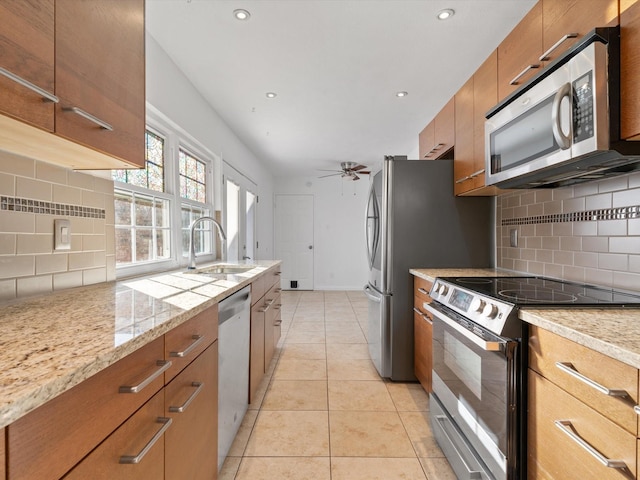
(542, 291)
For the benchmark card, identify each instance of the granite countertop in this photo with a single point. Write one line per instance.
(430, 274)
(53, 342)
(612, 331)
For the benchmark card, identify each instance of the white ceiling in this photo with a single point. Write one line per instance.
(335, 65)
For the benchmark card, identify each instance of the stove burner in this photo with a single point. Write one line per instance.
(472, 280)
(537, 296)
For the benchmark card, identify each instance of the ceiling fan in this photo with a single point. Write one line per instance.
(349, 170)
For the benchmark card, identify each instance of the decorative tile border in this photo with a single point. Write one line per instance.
(15, 204)
(621, 213)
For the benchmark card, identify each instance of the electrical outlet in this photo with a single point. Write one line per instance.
(513, 237)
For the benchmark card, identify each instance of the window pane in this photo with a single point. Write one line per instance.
(123, 209)
(123, 245)
(162, 213)
(156, 181)
(155, 149)
(152, 176)
(144, 245)
(192, 177)
(162, 243)
(144, 211)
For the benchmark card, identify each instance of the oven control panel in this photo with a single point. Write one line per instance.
(488, 312)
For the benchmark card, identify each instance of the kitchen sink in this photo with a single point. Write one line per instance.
(223, 269)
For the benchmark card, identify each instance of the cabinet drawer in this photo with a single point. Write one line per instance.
(49, 441)
(143, 429)
(423, 357)
(552, 452)
(274, 277)
(258, 289)
(421, 289)
(191, 401)
(187, 341)
(561, 360)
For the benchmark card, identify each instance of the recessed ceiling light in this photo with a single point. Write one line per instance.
(271, 95)
(445, 14)
(402, 94)
(241, 14)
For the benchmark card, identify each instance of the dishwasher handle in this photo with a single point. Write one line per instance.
(234, 304)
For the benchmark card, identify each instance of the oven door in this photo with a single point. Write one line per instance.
(474, 384)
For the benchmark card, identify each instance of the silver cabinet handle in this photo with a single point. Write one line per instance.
(566, 427)
(133, 459)
(278, 290)
(434, 149)
(269, 301)
(423, 291)
(164, 365)
(636, 409)
(463, 179)
(424, 316)
(568, 368)
(198, 388)
(475, 174)
(197, 340)
(517, 78)
(46, 96)
(545, 56)
(278, 273)
(278, 323)
(88, 116)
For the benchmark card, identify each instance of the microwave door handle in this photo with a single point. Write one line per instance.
(564, 141)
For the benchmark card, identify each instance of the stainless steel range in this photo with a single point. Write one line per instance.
(478, 402)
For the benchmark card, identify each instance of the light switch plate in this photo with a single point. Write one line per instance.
(61, 234)
(513, 237)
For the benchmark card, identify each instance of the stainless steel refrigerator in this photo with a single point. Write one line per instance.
(413, 220)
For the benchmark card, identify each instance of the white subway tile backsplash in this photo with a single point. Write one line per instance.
(7, 244)
(95, 275)
(33, 189)
(17, 222)
(51, 173)
(93, 199)
(81, 180)
(573, 274)
(562, 258)
(552, 270)
(544, 256)
(595, 202)
(633, 226)
(81, 260)
(624, 245)
(7, 184)
(626, 280)
(30, 243)
(571, 244)
(626, 198)
(598, 277)
(584, 189)
(93, 243)
(543, 195)
(585, 228)
(613, 261)
(634, 180)
(613, 184)
(111, 267)
(65, 280)
(562, 229)
(586, 259)
(68, 195)
(562, 193)
(34, 285)
(595, 244)
(572, 205)
(7, 289)
(612, 227)
(17, 165)
(17, 266)
(51, 263)
(551, 243)
(634, 263)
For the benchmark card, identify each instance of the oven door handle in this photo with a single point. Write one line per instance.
(441, 421)
(483, 344)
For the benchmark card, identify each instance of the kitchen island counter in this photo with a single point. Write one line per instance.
(53, 342)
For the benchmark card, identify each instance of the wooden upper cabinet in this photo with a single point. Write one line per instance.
(630, 71)
(463, 155)
(27, 46)
(564, 17)
(438, 137)
(100, 75)
(519, 52)
(485, 96)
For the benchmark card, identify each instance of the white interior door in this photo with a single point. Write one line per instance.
(294, 240)
(232, 220)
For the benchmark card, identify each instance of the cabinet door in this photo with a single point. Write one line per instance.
(50, 440)
(423, 332)
(100, 70)
(463, 164)
(445, 129)
(144, 429)
(191, 401)
(256, 355)
(271, 300)
(630, 71)
(567, 17)
(552, 452)
(519, 52)
(485, 96)
(426, 141)
(27, 46)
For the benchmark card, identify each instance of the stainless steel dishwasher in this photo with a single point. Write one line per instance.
(234, 324)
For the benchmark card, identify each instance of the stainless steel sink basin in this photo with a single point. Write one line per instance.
(224, 269)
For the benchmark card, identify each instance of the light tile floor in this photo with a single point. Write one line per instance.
(324, 413)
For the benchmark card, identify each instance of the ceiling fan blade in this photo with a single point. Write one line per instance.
(367, 172)
(355, 177)
(331, 174)
(325, 170)
(358, 167)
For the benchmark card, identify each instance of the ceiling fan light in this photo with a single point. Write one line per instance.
(241, 14)
(445, 14)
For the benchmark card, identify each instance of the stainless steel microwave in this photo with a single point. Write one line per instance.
(563, 126)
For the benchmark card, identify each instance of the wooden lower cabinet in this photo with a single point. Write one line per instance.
(256, 355)
(553, 454)
(3, 454)
(272, 321)
(131, 439)
(191, 401)
(422, 333)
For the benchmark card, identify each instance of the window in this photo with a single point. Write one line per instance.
(192, 177)
(152, 176)
(202, 234)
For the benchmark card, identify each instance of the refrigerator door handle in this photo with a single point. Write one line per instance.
(372, 216)
(373, 298)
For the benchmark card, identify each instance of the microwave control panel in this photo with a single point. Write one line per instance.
(583, 118)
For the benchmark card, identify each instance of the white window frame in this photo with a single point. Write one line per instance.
(175, 138)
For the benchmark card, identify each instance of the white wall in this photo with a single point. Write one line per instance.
(172, 94)
(340, 261)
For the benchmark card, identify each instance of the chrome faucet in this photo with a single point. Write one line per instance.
(192, 247)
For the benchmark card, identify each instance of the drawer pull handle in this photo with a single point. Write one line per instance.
(545, 56)
(423, 291)
(424, 316)
(92, 118)
(46, 96)
(278, 323)
(164, 366)
(463, 179)
(133, 459)
(197, 340)
(278, 273)
(198, 387)
(475, 174)
(269, 301)
(567, 428)
(278, 290)
(570, 369)
(523, 73)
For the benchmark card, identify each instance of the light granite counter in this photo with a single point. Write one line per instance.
(53, 342)
(612, 331)
(430, 274)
